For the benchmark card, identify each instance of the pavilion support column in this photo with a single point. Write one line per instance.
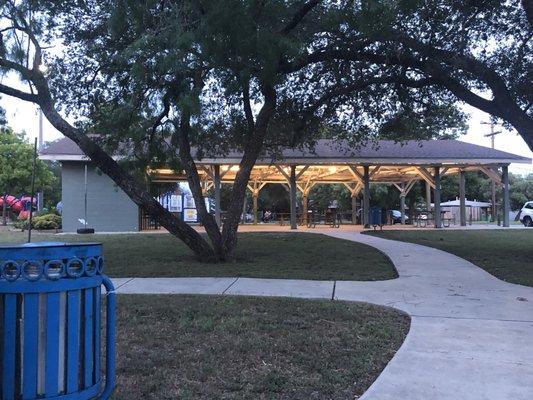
(305, 199)
(292, 184)
(354, 208)
(462, 198)
(402, 204)
(506, 204)
(217, 184)
(366, 196)
(244, 206)
(436, 198)
(428, 196)
(255, 195)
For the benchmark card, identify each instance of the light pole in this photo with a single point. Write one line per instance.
(39, 141)
(492, 134)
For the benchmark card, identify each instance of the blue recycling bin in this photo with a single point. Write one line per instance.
(50, 322)
(376, 217)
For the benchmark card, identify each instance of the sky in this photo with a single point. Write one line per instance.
(23, 116)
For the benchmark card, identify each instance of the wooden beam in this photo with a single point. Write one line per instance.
(299, 174)
(425, 175)
(282, 172)
(493, 175)
(354, 191)
(222, 173)
(356, 174)
(374, 171)
(208, 171)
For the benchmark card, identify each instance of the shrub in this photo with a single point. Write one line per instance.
(21, 224)
(42, 222)
(45, 224)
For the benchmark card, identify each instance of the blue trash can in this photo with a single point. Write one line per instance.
(50, 322)
(375, 216)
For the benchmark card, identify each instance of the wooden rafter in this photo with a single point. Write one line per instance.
(425, 175)
(493, 175)
(374, 171)
(301, 172)
(356, 174)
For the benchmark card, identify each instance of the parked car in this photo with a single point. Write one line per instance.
(526, 214)
(396, 217)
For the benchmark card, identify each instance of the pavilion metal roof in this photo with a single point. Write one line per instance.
(326, 151)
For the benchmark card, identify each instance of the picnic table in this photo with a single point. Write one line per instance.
(333, 219)
(427, 218)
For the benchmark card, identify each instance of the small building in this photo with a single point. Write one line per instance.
(330, 161)
(475, 210)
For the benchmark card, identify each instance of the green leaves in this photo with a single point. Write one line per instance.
(16, 161)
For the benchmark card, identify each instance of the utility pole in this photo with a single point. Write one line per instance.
(40, 147)
(492, 134)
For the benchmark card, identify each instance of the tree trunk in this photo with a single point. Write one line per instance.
(127, 183)
(208, 220)
(251, 152)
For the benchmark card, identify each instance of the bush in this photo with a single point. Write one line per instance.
(44, 224)
(21, 224)
(41, 222)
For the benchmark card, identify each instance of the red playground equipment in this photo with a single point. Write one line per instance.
(18, 206)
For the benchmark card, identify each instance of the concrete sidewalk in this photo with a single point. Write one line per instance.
(471, 334)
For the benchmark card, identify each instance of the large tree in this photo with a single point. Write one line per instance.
(168, 82)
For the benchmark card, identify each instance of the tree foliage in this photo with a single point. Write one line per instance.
(16, 165)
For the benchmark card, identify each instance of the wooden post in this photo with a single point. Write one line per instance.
(244, 204)
(217, 184)
(292, 183)
(462, 199)
(255, 195)
(428, 196)
(354, 208)
(304, 206)
(402, 204)
(366, 196)
(436, 197)
(506, 204)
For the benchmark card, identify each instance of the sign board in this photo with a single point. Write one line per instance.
(188, 201)
(176, 203)
(190, 215)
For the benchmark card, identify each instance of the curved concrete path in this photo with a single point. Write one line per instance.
(471, 334)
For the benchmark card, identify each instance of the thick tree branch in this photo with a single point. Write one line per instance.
(18, 94)
(247, 106)
(121, 178)
(299, 16)
(528, 8)
(436, 64)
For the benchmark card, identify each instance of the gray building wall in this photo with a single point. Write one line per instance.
(108, 207)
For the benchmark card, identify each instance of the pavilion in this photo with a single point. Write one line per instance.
(330, 161)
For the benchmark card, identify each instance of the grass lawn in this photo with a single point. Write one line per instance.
(506, 254)
(261, 255)
(206, 347)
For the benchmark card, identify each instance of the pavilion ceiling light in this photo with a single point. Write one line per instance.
(332, 170)
(234, 168)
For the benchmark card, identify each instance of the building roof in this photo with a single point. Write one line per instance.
(340, 151)
(468, 203)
